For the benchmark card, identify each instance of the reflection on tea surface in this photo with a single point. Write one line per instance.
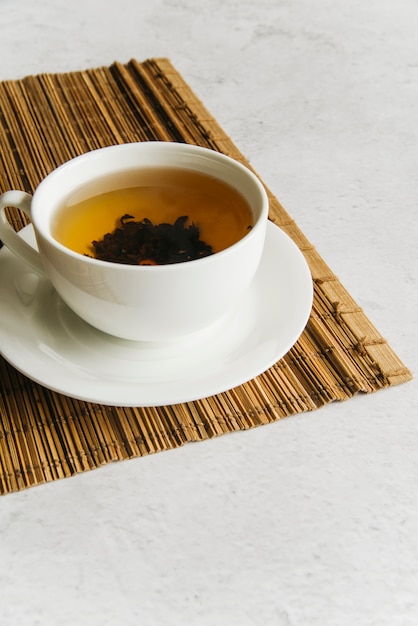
(161, 195)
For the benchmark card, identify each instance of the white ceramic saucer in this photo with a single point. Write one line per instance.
(44, 339)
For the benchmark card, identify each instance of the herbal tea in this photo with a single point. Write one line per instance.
(200, 210)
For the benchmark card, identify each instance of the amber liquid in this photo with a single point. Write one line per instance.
(221, 213)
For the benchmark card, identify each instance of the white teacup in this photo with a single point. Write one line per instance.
(137, 302)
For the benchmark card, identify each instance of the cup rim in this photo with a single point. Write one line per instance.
(43, 190)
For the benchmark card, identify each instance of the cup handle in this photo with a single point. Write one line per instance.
(8, 235)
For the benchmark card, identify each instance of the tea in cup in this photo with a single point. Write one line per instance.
(145, 241)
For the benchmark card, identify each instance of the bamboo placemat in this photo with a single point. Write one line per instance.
(44, 436)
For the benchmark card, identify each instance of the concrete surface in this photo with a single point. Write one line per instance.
(312, 521)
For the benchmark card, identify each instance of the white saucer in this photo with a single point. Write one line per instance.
(42, 338)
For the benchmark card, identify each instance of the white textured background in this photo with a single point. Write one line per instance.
(312, 521)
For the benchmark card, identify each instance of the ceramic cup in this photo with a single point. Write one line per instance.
(141, 303)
